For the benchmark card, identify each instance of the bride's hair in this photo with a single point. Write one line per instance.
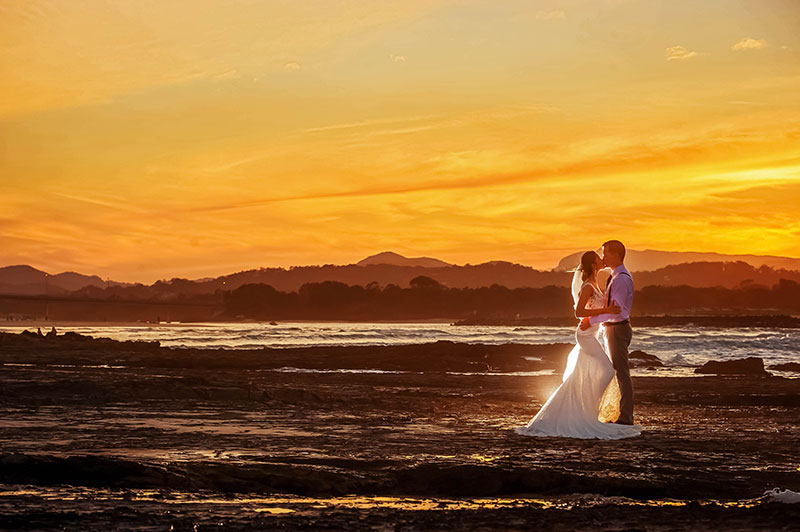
(587, 264)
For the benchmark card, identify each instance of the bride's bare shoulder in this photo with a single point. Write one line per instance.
(588, 285)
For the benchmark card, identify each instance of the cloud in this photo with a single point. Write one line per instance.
(749, 44)
(291, 66)
(585, 163)
(397, 58)
(364, 123)
(114, 203)
(551, 15)
(679, 52)
(230, 74)
(116, 49)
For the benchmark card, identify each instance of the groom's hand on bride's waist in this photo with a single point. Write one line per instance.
(585, 324)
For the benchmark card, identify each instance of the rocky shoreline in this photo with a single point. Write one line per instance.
(107, 434)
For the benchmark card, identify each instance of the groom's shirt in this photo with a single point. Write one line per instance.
(621, 290)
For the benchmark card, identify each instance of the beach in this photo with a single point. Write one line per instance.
(280, 265)
(102, 433)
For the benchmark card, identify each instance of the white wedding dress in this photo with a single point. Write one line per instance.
(588, 394)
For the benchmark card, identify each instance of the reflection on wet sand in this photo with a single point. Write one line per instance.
(286, 504)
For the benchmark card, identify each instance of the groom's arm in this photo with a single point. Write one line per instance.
(600, 318)
(623, 293)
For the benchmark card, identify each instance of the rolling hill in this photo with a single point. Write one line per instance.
(650, 259)
(390, 268)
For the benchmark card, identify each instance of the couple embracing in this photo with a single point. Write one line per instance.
(590, 402)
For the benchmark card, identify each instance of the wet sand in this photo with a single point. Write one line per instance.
(101, 434)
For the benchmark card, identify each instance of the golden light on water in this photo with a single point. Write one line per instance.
(275, 511)
(279, 133)
(282, 505)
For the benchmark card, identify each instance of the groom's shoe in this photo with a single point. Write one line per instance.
(620, 422)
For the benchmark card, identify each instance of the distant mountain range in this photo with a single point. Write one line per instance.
(24, 279)
(390, 257)
(635, 260)
(650, 259)
(650, 267)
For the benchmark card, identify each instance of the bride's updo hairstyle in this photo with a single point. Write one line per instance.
(587, 264)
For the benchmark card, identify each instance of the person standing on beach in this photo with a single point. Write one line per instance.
(586, 404)
(618, 332)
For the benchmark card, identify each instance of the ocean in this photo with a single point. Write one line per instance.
(679, 348)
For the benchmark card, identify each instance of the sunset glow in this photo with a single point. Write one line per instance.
(142, 140)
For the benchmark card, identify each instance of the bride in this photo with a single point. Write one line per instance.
(587, 400)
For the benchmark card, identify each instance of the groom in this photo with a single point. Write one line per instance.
(619, 289)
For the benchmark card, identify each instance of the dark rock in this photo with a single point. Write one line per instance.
(742, 366)
(459, 479)
(641, 359)
(83, 470)
(789, 366)
(75, 337)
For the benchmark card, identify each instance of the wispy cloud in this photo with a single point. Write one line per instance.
(749, 43)
(599, 158)
(365, 123)
(114, 50)
(490, 113)
(113, 203)
(397, 58)
(230, 74)
(551, 15)
(679, 52)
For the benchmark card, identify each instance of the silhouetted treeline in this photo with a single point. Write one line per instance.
(784, 296)
(714, 274)
(513, 276)
(426, 298)
(24, 280)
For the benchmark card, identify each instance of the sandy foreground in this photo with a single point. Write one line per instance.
(98, 434)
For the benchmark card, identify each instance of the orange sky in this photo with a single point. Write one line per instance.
(152, 139)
